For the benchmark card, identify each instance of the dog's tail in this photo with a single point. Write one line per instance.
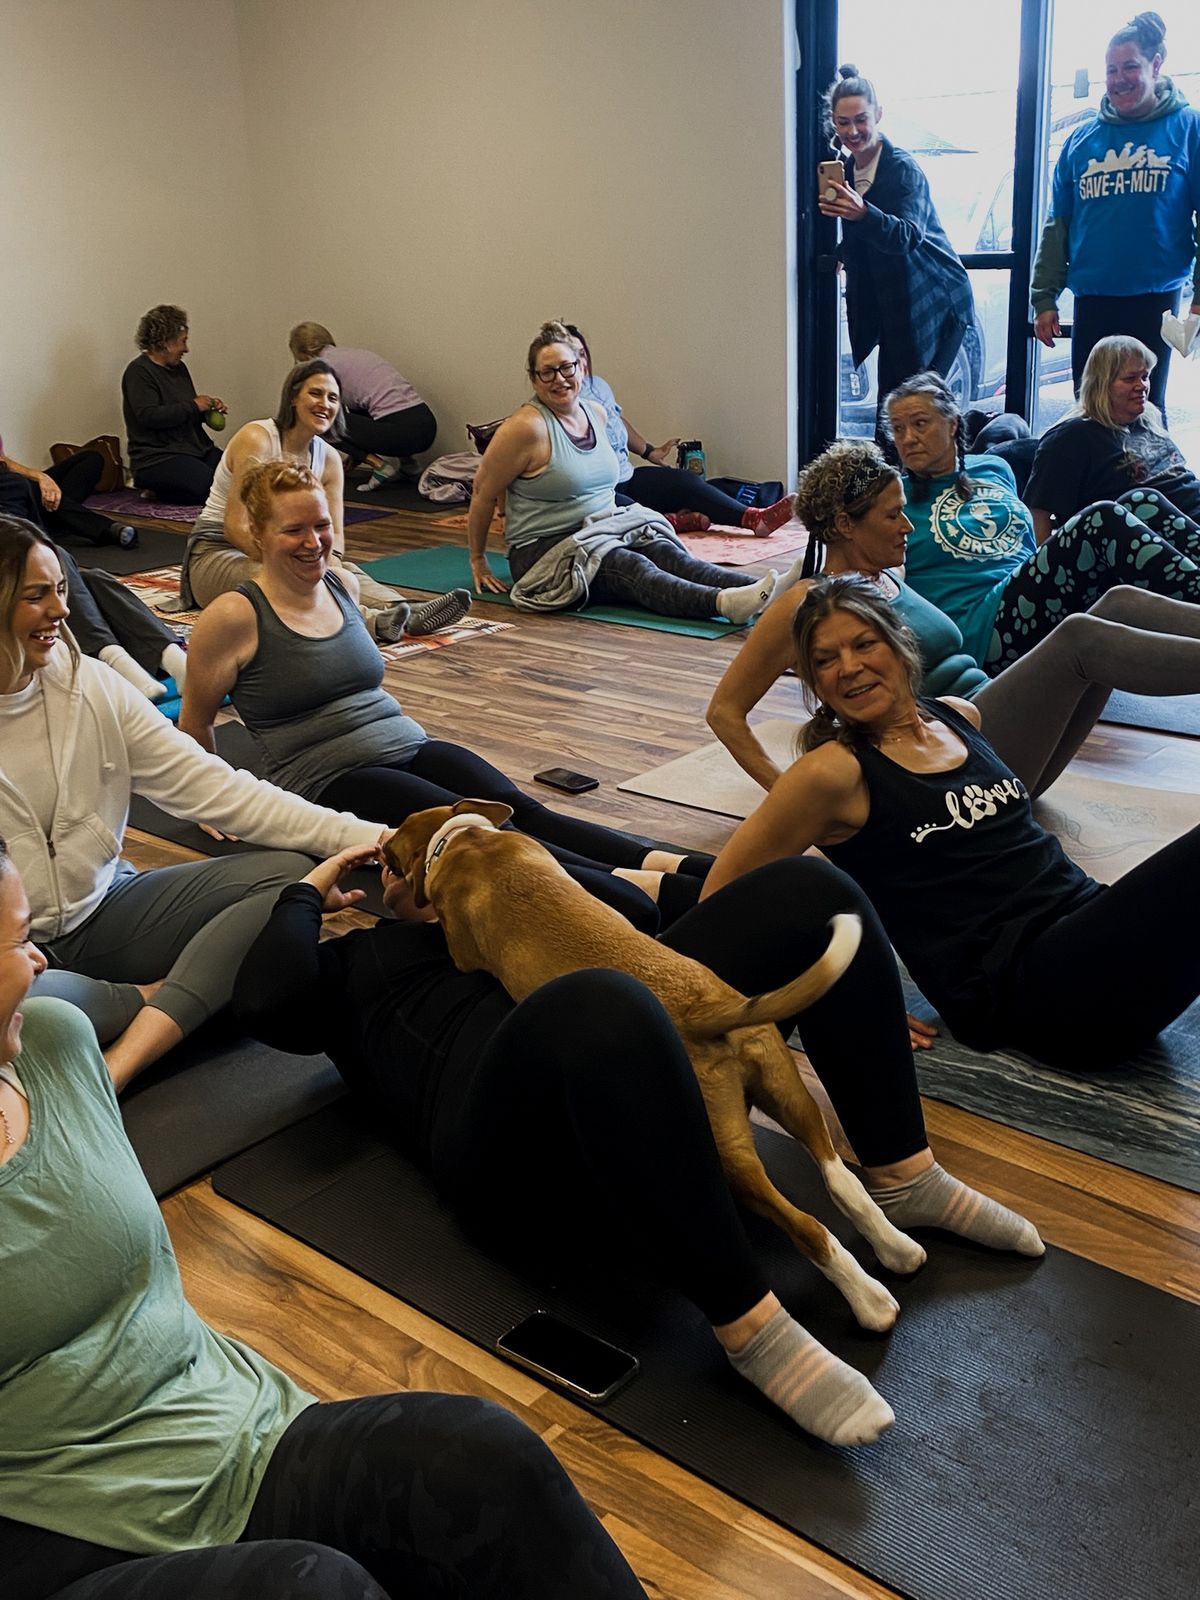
(721, 1016)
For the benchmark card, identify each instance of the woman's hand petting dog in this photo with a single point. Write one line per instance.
(327, 877)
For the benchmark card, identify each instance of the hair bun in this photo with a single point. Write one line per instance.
(1150, 26)
(848, 71)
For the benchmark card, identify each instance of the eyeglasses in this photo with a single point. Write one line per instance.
(565, 369)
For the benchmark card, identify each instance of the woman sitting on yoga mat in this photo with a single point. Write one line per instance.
(144, 1455)
(170, 454)
(556, 470)
(688, 501)
(973, 553)
(571, 1126)
(290, 649)
(1037, 712)
(1012, 942)
(148, 955)
(221, 553)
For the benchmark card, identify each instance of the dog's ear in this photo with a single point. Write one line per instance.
(494, 810)
(408, 864)
(416, 881)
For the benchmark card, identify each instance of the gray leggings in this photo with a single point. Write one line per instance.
(190, 924)
(659, 575)
(1039, 710)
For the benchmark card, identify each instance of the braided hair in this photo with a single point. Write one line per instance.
(933, 387)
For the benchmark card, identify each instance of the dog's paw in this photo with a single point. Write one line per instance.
(897, 1252)
(874, 1307)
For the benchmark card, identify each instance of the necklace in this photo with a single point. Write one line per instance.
(10, 1137)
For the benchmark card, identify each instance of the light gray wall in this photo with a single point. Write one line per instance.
(429, 178)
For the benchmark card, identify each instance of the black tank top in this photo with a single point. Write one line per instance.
(961, 874)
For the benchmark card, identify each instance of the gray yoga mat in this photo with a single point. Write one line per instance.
(1172, 713)
(214, 1096)
(1048, 1433)
(155, 548)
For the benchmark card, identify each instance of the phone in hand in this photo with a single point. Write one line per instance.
(565, 1355)
(828, 173)
(566, 780)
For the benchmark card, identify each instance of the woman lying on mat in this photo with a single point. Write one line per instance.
(688, 501)
(151, 955)
(290, 649)
(1012, 942)
(144, 1455)
(1112, 444)
(221, 552)
(973, 553)
(556, 470)
(571, 1125)
(386, 419)
(1037, 712)
(169, 452)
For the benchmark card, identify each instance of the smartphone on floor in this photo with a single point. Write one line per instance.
(566, 780)
(565, 1355)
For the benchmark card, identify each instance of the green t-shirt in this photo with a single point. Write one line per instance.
(124, 1420)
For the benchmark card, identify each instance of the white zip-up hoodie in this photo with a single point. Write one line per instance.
(108, 742)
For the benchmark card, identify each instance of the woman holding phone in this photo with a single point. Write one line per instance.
(907, 293)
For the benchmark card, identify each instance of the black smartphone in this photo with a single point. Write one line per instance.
(565, 1355)
(566, 780)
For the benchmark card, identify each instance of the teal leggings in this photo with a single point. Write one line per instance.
(1140, 540)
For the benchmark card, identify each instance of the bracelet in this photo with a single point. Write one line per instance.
(648, 451)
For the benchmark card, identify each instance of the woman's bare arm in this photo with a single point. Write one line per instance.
(761, 661)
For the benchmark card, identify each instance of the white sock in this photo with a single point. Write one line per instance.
(792, 576)
(740, 604)
(174, 664)
(821, 1393)
(121, 661)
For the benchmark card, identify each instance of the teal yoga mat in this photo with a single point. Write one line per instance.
(447, 567)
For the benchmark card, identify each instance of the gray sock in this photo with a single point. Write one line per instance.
(937, 1199)
(387, 626)
(821, 1393)
(443, 612)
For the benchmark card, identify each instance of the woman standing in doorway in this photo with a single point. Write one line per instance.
(907, 292)
(1124, 210)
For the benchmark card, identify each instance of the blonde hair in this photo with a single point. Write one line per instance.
(269, 479)
(17, 539)
(1100, 371)
(850, 592)
(308, 339)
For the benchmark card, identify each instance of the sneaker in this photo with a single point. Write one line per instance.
(443, 612)
(120, 533)
(689, 521)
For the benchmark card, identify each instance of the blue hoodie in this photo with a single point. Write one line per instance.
(1124, 206)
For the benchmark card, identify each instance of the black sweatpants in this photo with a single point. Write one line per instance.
(402, 433)
(392, 1497)
(180, 480)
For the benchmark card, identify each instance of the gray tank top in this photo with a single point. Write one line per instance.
(314, 706)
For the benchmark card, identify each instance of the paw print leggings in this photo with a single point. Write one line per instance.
(1140, 540)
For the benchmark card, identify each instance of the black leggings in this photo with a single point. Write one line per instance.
(182, 480)
(572, 1124)
(403, 433)
(672, 489)
(1076, 1000)
(77, 477)
(393, 1497)
(441, 774)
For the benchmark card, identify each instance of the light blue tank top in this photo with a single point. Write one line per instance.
(576, 484)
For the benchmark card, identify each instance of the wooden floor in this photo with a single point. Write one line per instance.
(614, 701)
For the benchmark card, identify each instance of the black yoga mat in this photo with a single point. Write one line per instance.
(1142, 1115)
(1171, 713)
(403, 495)
(1048, 1433)
(217, 1094)
(155, 548)
(236, 746)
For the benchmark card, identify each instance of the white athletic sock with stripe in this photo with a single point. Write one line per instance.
(821, 1393)
(937, 1199)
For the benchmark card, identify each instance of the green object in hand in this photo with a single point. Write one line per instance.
(215, 420)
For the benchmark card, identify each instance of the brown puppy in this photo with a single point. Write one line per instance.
(508, 908)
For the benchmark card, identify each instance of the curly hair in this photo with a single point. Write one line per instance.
(308, 339)
(160, 324)
(264, 481)
(548, 333)
(849, 476)
(1147, 31)
(856, 594)
(17, 539)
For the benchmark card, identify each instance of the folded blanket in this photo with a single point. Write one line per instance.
(562, 577)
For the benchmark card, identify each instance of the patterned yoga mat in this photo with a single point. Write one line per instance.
(129, 503)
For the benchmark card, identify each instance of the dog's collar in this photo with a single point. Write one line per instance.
(464, 819)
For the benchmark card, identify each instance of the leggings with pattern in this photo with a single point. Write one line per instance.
(395, 1495)
(1140, 539)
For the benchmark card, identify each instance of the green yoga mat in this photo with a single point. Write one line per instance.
(448, 567)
